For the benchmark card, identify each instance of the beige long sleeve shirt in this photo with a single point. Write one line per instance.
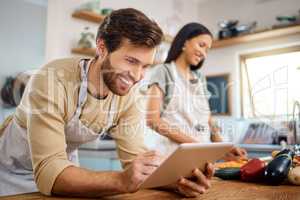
(49, 102)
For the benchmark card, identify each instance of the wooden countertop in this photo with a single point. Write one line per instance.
(221, 190)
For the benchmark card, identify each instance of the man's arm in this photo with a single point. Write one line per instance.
(44, 104)
(129, 132)
(75, 181)
(45, 107)
(236, 153)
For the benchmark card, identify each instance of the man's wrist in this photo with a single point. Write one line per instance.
(121, 183)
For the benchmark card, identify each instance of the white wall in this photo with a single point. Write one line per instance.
(264, 12)
(226, 60)
(28, 39)
(23, 30)
(63, 31)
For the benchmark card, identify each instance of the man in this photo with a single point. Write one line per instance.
(73, 101)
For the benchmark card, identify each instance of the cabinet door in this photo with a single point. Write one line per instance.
(116, 165)
(99, 164)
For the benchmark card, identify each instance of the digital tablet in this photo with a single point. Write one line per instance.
(183, 160)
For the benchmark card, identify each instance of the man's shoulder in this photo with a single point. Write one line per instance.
(62, 64)
(64, 69)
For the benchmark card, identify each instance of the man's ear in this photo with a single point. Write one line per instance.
(101, 49)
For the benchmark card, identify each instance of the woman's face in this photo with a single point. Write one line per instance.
(195, 49)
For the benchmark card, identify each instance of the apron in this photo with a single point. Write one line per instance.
(16, 172)
(188, 110)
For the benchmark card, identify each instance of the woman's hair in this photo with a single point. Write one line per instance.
(187, 32)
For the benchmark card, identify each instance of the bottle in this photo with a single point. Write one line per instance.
(277, 170)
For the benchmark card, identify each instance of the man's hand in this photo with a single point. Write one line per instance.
(199, 184)
(235, 154)
(139, 170)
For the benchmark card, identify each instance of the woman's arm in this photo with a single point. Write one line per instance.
(236, 153)
(215, 130)
(154, 121)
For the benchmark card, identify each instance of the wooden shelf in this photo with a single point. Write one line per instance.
(278, 32)
(84, 51)
(269, 34)
(96, 18)
(88, 16)
(168, 38)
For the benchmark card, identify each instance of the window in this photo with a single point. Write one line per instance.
(270, 82)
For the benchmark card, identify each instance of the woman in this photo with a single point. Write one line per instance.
(177, 105)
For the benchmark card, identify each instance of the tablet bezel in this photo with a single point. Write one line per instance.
(186, 157)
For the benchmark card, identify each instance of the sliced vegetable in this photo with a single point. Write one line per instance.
(230, 164)
(294, 175)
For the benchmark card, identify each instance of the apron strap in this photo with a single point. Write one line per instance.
(5, 124)
(82, 97)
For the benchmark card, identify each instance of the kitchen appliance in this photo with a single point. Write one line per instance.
(230, 28)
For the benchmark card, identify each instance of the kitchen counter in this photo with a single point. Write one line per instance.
(260, 147)
(99, 149)
(99, 145)
(260, 150)
(102, 155)
(99, 155)
(221, 190)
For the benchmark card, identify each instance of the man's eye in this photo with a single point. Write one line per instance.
(201, 44)
(146, 66)
(130, 61)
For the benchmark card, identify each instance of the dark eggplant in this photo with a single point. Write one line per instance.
(277, 170)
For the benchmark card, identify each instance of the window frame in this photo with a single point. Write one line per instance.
(243, 58)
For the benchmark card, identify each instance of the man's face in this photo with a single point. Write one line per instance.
(126, 66)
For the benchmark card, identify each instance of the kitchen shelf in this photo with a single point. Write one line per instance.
(168, 38)
(96, 18)
(269, 34)
(84, 51)
(88, 16)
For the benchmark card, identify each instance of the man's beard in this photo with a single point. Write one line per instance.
(110, 78)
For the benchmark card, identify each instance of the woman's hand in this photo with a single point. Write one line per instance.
(235, 154)
(198, 184)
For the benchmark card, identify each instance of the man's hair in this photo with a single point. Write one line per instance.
(129, 24)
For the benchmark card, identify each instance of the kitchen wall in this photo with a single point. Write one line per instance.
(63, 31)
(23, 38)
(210, 12)
(52, 36)
(226, 60)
